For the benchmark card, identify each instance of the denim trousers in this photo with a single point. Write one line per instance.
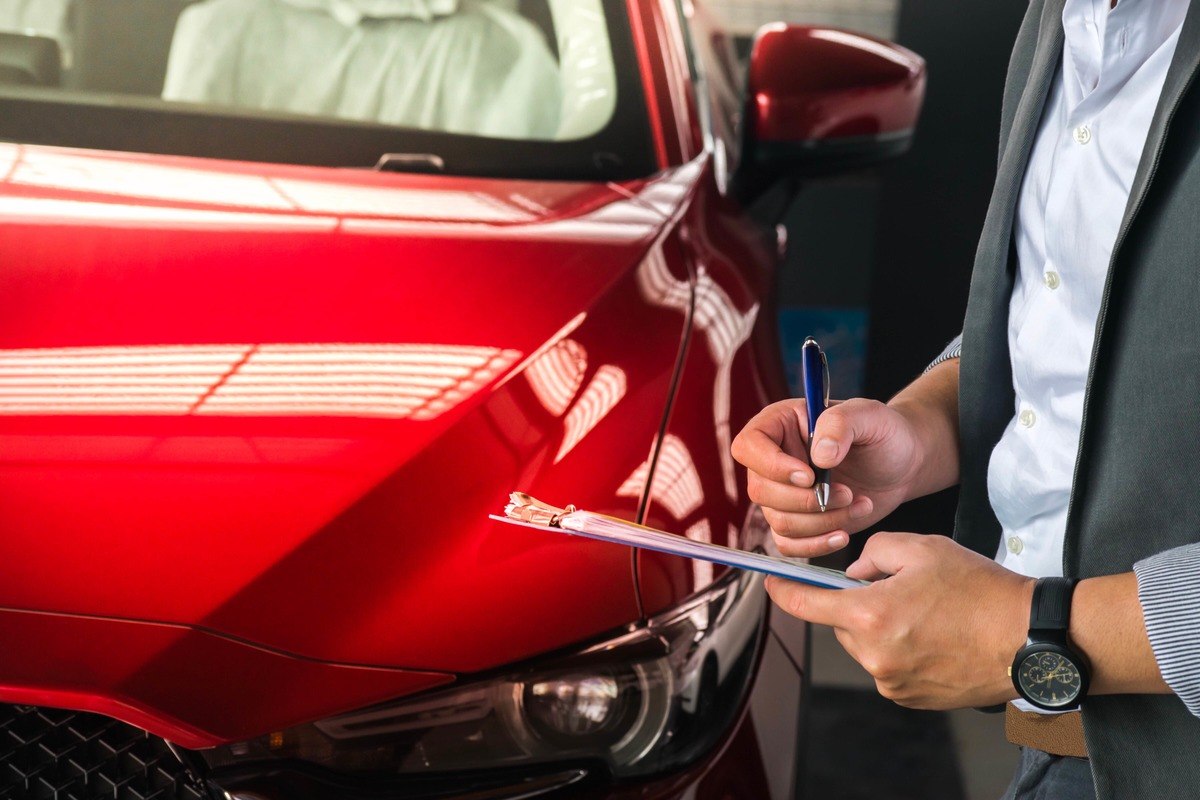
(1041, 776)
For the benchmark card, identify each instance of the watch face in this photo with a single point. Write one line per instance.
(1050, 679)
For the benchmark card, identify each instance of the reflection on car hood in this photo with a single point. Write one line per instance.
(277, 406)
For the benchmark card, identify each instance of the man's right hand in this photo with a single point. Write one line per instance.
(876, 455)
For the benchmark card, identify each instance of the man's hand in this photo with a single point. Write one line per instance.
(939, 627)
(874, 450)
(881, 455)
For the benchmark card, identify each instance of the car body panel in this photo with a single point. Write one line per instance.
(191, 687)
(214, 529)
(728, 374)
(181, 396)
(731, 368)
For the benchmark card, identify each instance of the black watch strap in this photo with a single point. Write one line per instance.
(1051, 606)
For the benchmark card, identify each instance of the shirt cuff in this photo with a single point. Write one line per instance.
(1169, 591)
(953, 350)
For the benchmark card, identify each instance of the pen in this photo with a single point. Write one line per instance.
(816, 397)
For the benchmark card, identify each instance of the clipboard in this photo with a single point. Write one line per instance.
(527, 512)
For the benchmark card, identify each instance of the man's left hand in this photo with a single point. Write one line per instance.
(937, 629)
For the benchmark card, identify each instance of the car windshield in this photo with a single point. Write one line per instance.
(515, 88)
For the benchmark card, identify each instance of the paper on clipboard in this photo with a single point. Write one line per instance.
(528, 512)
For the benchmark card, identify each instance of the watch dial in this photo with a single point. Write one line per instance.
(1049, 678)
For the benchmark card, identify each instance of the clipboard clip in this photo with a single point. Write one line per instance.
(524, 508)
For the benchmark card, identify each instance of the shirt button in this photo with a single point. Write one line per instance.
(1052, 280)
(1015, 545)
(1083, 134)
(1027, 418)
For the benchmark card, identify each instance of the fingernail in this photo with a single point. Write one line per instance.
(860, 508)
(800, 478)
(839, 540)
(825, 449)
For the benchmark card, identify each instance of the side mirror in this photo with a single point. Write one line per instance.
(823, 100)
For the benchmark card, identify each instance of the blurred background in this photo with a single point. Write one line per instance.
(883, 285)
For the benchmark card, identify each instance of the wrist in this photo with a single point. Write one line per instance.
(1013, 631)
(928, 431)
(930, 407)
(1108, 627)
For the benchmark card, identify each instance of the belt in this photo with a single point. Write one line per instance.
(1057, 734)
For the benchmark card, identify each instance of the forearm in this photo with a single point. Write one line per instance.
(1107, 626)
(930, 404)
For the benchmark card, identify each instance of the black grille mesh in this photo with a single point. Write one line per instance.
(48, 754)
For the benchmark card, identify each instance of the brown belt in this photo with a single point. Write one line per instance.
(1057, 734)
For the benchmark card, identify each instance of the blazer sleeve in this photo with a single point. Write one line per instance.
(1169, 591)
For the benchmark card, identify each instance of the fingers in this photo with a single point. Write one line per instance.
(865, 570)
(811, 603)
(801, 524)
(842, 425)
(813, 546)
(772, 444)
(772, 447)
(787, 497)
(760, 454)
(885, 554)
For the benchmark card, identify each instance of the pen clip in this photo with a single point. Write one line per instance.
(825, 375)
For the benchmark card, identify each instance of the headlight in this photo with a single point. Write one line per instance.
(651, 700)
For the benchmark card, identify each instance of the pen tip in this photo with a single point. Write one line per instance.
(821, 490)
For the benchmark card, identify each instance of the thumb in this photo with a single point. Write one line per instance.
(885, 554)
(843, 425)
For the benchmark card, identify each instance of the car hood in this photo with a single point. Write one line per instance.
(275, 405)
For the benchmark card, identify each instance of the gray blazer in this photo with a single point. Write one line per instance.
(1137, 478)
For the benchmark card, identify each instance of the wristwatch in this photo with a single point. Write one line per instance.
(1047, 671)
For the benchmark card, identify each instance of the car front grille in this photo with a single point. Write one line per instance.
(48, 754)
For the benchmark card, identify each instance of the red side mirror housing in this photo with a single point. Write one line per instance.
(823, 99)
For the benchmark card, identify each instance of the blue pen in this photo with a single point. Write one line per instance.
(816, 398)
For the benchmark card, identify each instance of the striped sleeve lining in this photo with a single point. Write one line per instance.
(953, 350)
(1169, 591)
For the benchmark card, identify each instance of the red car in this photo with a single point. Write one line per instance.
(293, 293)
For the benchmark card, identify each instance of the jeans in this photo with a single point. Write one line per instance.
(1041, 776)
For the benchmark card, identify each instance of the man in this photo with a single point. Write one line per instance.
(1070, 422)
